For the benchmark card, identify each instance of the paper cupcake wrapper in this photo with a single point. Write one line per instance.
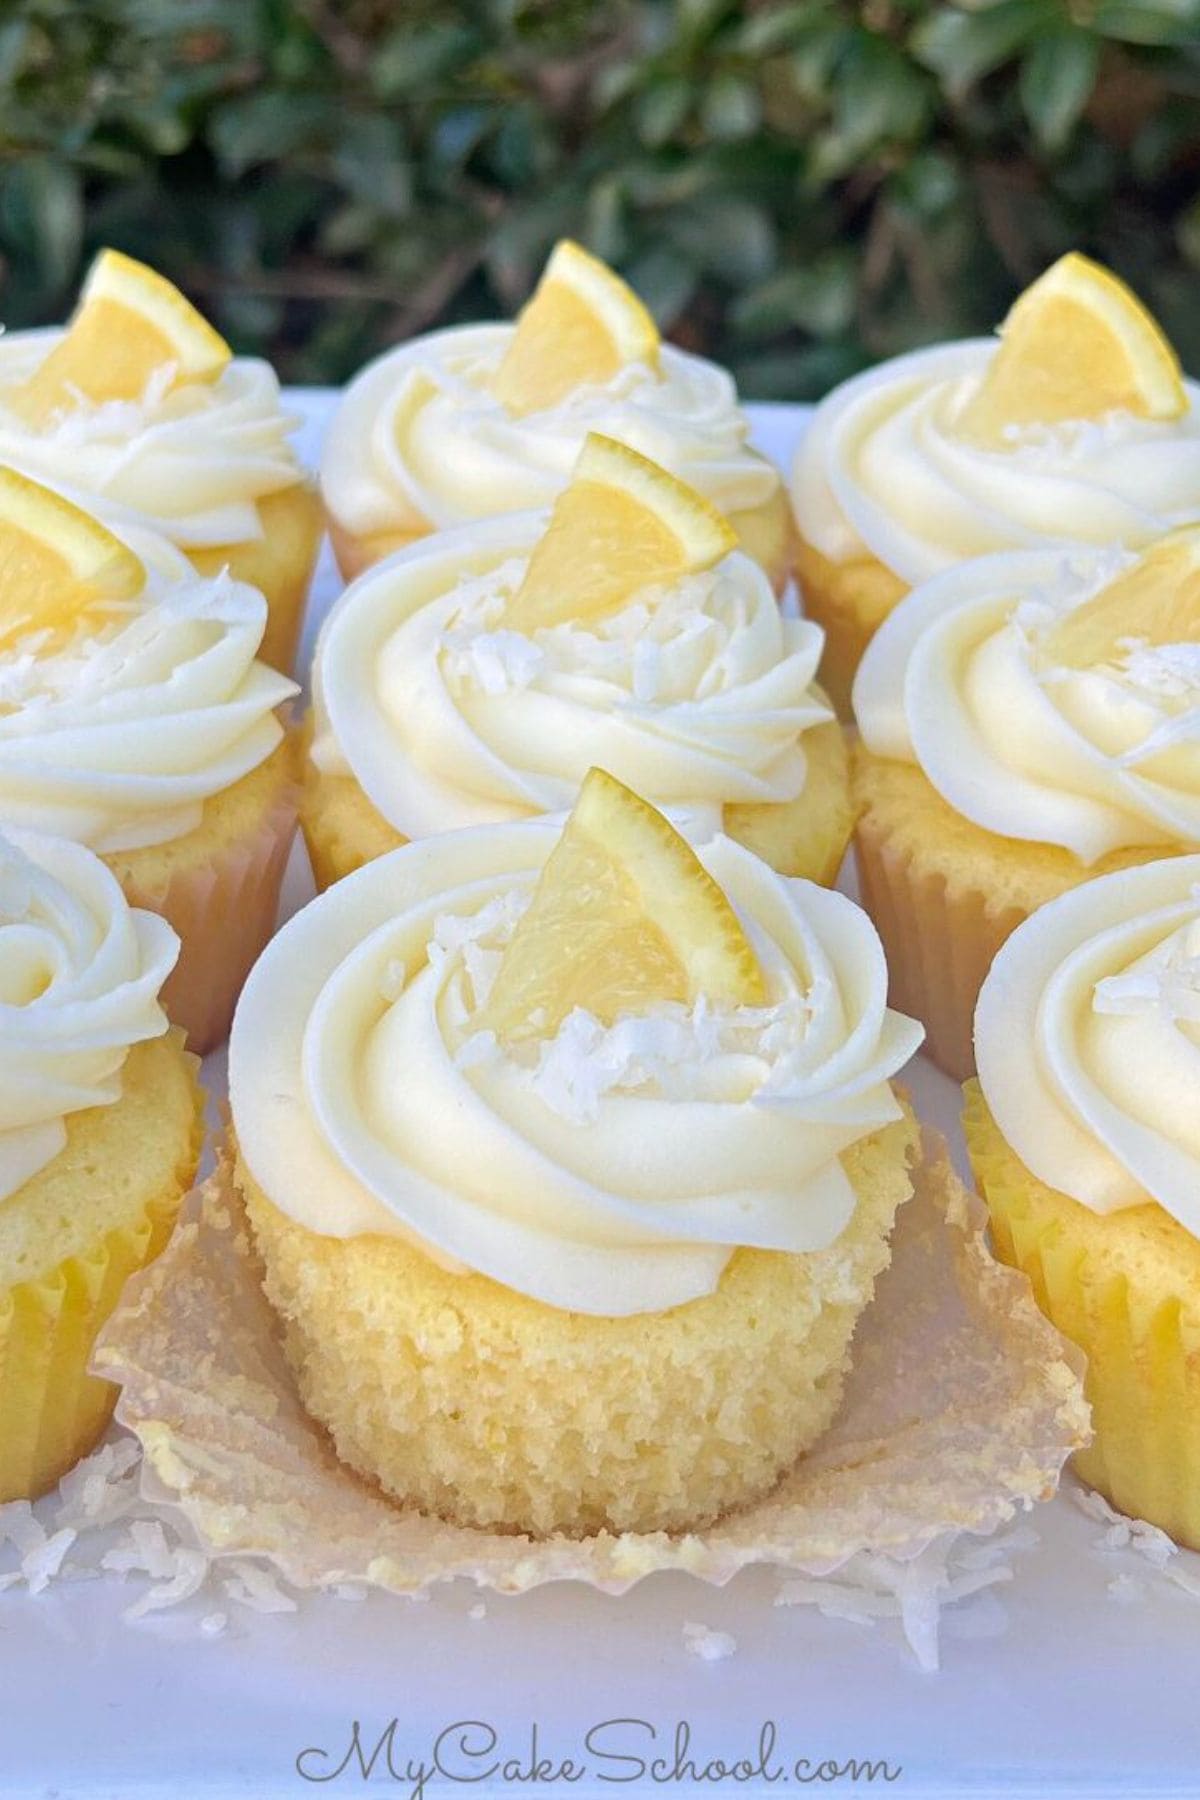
(939, 943)
(225, 915)
(1143, 1367)
(961, 1406)
(52, 1410)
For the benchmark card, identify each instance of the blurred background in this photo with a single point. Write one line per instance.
(797, 189)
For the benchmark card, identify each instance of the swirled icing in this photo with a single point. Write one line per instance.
(884, 469)
(419, 441)
(611, 1171)
(193, 458)
(959, 680)
(117, 738)
(1087, 1038)
(80, 973)
(697, 694)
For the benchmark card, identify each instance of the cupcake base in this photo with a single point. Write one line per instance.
(69, 1239)
(280, 564)
(1125, 1287)
(219, 887)
(850, 601)
(468, 1401)
(944, 895)
(806, 837)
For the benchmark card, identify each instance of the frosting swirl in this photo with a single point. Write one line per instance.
(117, 738)
(884, 469)
(80, 972)
(613, 1172)
(959, 680)
(696, 694)
(194, 458)
(420, 442)
(1088, 1041)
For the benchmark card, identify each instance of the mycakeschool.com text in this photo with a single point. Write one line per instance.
(612, 1753)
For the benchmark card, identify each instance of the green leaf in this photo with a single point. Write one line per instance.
(1159, 22)
(41, 215)
(661, 110)
(730, 109)
(1057, 78)
(962, 47)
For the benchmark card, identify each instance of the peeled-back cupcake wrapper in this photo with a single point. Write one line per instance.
(1143, 1366)
(52, 1410)
(225, 915)
(939, 944)
(962, 1405)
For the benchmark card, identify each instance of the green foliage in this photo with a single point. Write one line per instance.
(795, 188)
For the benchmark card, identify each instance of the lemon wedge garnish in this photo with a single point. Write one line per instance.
(621, 524)
(129, 322)
(1077, 344)
(55, 561)
(624, 915)
(580, 325)
(1155, 602)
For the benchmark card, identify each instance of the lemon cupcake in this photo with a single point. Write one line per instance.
(1028, 720)
(1084, 1132)
(135, 719)
(572, 1158)
(476, 677)
(140, 402)
(100, 1124)
(477, 420)
(1074, 425)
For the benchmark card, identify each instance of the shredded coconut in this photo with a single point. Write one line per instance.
(1137, 1537)
(951, 1570)
(707, 1644)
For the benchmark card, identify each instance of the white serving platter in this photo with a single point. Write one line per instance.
(1053, 1684)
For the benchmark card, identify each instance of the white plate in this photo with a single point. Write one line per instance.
(1078, 1694)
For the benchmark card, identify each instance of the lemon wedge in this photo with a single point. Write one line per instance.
(129, 322)
(1077, 344)
(621, 524)
(56, 561)
(1156, 601)
(624, 914)
(580, 325)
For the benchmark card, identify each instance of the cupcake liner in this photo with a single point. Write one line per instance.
(1143, 1355)
(225, 914)
(52, 1410)
(848, 601)
(939, 943)
(961, 1406)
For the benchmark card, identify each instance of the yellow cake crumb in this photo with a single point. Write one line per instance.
(469, 1401)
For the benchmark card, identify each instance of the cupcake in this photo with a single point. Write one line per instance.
(100, 1126)
(572, 1159)
(139, 402)
(1073, 425)
(136, 720)
(484, 419)
(1084, 1132)
(1028, 720)
(476, 677)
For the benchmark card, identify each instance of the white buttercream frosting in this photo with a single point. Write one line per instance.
(80, 973)
(959, 680)
(885, 469)
(611, 1171)
(419, 440)
(1087, 1039)
(696, 694)
(117, 737)
(193, 457)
